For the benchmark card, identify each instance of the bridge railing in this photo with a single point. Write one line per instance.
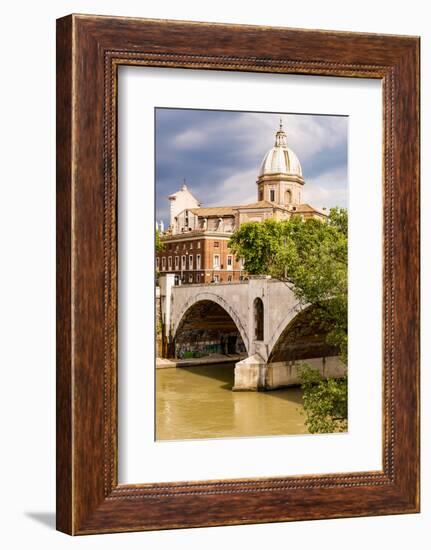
(209, 285)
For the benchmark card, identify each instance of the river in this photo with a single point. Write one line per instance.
(198, 402)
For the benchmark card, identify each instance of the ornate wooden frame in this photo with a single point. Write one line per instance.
(89, 51)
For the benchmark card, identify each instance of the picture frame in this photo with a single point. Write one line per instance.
(89, 51)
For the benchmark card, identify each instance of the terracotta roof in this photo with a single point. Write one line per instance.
(230, 210)
(214, 211)
(195, 233)
(306, 208)
(262, 204)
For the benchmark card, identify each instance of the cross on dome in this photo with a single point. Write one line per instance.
(280, 136)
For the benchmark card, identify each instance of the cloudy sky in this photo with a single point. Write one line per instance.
(219, 154)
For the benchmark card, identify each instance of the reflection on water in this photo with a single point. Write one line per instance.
(198, 402)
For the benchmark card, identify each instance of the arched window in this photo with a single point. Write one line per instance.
(288, 198)
(258, 319)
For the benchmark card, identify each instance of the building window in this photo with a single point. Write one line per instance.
(177, 262)
(216, 244)
(176, 280)
(191, 245)
(183, 262)
(216, 261)
(230, 262)
(261, 194)
(229, 278)
(198, 261)
(163, 264)
(198, 277)
(191, 261)
(170, 263)
(288, 196)
(216, 278)
(272, 195)
(199, 244)
(190, 277)
(258, 319)
(157, 263)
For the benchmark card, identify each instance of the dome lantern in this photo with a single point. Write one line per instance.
(280, 175)
(280, 137)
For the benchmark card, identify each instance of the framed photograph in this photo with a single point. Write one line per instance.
(237, 274)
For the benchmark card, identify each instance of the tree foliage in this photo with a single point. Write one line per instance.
(338, 218)
(311, 256)
(158, 243)
(325, 401)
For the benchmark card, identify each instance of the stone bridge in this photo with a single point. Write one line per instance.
(275, 330)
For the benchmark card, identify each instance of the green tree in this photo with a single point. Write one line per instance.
(338, 218)
(158, 243)
(309, 255)
(325, 401)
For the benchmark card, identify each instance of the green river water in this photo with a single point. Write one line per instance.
(198, 402)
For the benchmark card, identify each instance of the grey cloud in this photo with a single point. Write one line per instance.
(219, 153)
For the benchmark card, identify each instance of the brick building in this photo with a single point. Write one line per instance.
(196, 241)
(199, 257)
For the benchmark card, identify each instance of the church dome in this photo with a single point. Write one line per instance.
(280, 159)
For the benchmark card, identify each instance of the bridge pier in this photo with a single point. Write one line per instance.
(250, 374)
(255, 374)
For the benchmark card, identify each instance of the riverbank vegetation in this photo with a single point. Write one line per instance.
(325, 401)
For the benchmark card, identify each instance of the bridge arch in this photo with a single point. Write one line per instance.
(302, 337)
(202, 298)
